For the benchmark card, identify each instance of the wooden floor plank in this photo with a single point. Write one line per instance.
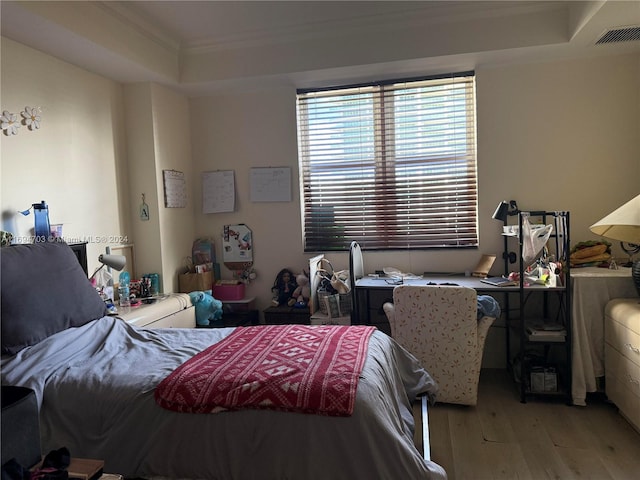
(583, 465)
(502, 438)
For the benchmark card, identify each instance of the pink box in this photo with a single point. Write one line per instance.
(228, 292)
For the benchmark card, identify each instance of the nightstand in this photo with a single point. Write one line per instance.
(167, 311)
(237, 313)
(284, 315)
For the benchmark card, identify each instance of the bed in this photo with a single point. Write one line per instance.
(95, 377)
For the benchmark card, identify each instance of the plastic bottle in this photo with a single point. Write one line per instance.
(42, 229)
(123, 289)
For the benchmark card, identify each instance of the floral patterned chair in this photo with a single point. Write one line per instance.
(439, 325)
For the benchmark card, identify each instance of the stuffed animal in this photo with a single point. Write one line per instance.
(302, 293)
(208, 309)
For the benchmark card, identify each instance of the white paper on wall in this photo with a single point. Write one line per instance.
(218, 191)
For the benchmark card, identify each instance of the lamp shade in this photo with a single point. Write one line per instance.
(622, 224)
(116, 262)
(501, 212)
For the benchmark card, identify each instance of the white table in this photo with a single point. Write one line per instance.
(592, 288)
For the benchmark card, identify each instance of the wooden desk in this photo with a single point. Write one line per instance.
(592, 288)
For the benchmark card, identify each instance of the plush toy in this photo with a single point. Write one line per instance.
(302, 293)
(208, 309)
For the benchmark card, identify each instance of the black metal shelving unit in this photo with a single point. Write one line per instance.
(554, 304)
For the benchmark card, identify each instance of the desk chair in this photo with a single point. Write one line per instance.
(438, 324)
(356, 272)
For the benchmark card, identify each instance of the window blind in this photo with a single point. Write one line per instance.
(391, 165)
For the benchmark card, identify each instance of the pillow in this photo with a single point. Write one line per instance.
(43, 291)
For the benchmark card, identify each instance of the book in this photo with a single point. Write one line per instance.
(80, 468)
(85, 468)
(546, 332)
(499, 281)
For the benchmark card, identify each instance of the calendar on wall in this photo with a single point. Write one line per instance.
(175, 189)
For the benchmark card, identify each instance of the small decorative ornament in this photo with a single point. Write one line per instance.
(9, 123)
(144, 210)
(31, 118)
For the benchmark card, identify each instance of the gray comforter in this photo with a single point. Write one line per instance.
(95, 385)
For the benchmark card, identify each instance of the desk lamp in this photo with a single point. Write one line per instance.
(503, 211)
(623, 224)
(116, 262)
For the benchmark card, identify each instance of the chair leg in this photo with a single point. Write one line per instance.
(426, 448)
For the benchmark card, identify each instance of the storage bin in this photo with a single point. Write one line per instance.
(225, 292)
(20, 426)
(345, 302)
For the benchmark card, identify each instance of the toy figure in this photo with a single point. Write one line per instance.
(302, 293)
(208, 309)
(283, 287)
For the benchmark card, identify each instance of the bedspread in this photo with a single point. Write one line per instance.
(297, 368)
(95, 385)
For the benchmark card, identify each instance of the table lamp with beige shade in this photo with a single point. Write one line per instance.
(623, 224)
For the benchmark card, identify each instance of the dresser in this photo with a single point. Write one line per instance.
(622, 356)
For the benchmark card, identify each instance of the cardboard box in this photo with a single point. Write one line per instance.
(226, 292)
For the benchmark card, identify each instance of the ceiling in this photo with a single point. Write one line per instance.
(202, 46)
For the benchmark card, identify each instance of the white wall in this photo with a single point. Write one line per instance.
(76, 161)
(557, 135)
(173, 152)
(553, 136)
(100, 146)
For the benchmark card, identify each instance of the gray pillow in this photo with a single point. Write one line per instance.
(43, 291)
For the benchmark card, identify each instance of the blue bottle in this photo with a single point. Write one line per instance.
(42, 229)
(123, 289)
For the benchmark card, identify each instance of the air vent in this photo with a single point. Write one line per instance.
(620, 34)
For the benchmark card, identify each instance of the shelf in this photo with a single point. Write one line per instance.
(536, 349)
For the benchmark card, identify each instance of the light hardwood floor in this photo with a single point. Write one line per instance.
(501, 438)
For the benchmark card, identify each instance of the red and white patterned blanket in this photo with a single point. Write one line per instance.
(299, 368)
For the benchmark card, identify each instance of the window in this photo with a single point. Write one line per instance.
(391, 165)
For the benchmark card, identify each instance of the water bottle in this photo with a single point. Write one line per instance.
(42, 229)
(123, 289)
